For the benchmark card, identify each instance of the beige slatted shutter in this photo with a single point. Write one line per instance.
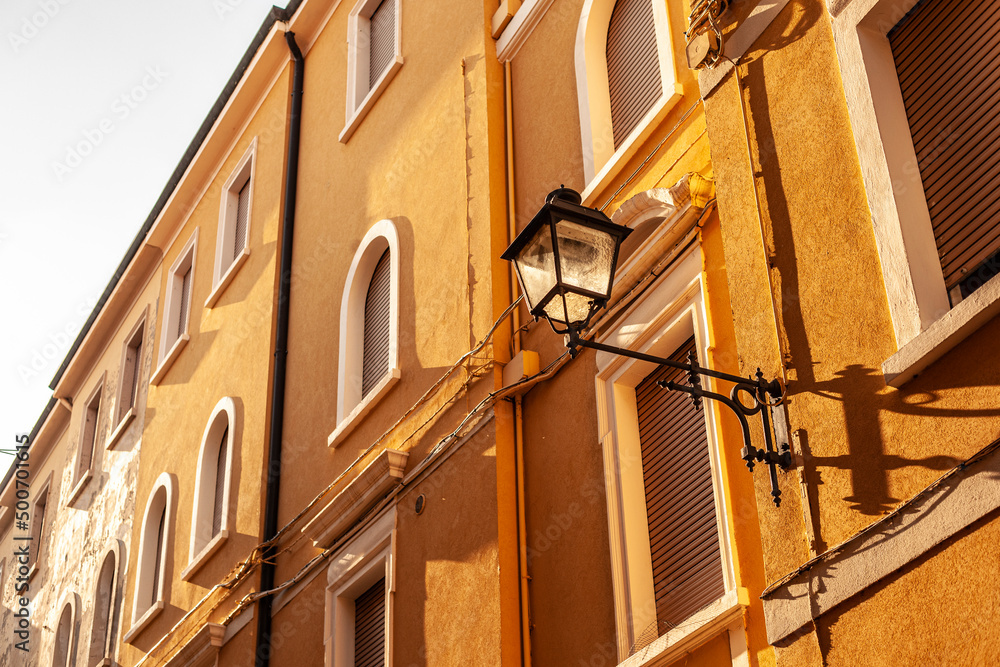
(103, 609)
(157, 559)
(381, 40)
(89, 435)
(182, 313)
(633, 65)
(220, 484)
(130, 373)
(948, 60)
(242, 216)
(369, 627)
(680, 501)
(64, 635)
(375, 359)
(37, 525)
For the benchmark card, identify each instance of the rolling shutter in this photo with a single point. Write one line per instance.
(381, 40)
(182, 312)
(242, 216)
(680, 501)
(220, 484)
(369, 627)
(157, 560)
(948, 60)
(63, 635)
(89, 435)
(130, 378)
(375, 358)
(633, 65)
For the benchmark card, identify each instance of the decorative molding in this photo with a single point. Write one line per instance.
(360, 495)
(203, 649)
(960, 498)
(520, 27)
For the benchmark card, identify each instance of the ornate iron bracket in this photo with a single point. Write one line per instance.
(761, 394)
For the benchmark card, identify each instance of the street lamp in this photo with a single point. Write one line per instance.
(565, 260)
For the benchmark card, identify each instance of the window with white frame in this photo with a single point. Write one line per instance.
(130, 377)
(105, 622)
(373, 56)
(369, 327)
(672, 569)
(932, 199)
(62, 652)
(151, 587)
(177, 307)
(236, 206)
(88, 435)
(210, 525)
(625, 78)
(359, 599)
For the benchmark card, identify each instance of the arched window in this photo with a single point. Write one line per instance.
(151, 589)
(105, 624)
(369, 327)
(62, 654)
(625, 77)
(210, 524)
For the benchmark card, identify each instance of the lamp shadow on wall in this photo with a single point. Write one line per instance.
(860, 389)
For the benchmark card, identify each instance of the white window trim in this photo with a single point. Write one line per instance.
(351, 408)
(203, 543)
(600, 159)
(364, 560)
(170, 345)
(125, 418)
(926, 327)
(141, 617)
(109, 643)
(242, 175)
(80, 480)
(666, 316)
(70, 600)
(360, 99)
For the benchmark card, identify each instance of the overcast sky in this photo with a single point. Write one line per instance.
(100, 100)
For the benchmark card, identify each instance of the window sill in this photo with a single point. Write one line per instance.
(169, 359)
(78, 489)
(227, 278)
(945, 334)
(610, 170)
(33, 571)
(369, 101)
(143, 621)
(122, 425)
(345, 427)
(213, 545)
(695, 631)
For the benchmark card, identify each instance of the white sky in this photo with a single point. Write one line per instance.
(125, 85)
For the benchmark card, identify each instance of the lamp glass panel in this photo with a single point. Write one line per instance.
(536, 265)
(577, 308)
(585, 256)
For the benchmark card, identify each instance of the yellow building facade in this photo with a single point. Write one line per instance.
(313, 422)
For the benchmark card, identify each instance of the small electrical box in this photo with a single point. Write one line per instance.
(701, 47)
(524, 364)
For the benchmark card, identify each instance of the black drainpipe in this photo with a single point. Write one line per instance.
(263, 652)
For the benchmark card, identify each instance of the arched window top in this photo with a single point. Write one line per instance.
(369, 327)
(151, 587)
(104, 627)
(625, 77)
(65, 644)
(213, 485)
